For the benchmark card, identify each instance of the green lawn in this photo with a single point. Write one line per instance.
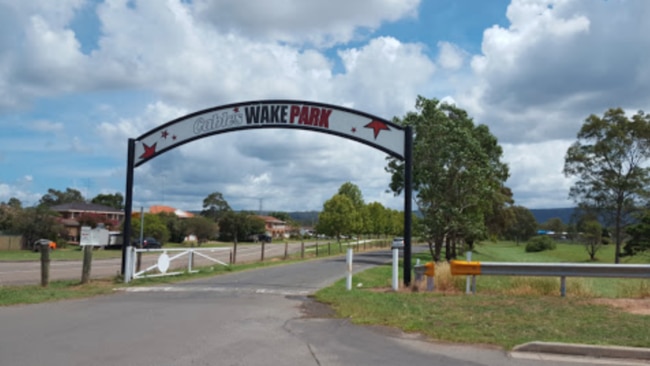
(505, 311)
(63, 254)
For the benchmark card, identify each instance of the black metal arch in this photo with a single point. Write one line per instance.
(348, 124)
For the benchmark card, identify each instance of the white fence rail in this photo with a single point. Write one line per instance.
(164, 262)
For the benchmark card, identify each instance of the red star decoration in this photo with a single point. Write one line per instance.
(164, 134)
(236, 110)
(149, 151)
(377, 126)
(354, 129)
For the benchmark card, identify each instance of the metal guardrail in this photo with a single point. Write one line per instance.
(561, 270)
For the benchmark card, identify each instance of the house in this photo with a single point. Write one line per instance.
(276, 228)
(167, 209)
(72, 213)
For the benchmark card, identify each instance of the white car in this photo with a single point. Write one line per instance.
(398, 243)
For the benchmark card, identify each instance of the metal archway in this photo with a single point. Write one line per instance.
(364, 128)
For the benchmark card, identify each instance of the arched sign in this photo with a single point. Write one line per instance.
(289, 114)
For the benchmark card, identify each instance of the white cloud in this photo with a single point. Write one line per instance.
(558, 62)
(46, 126)
(450, 56)
(536, 173)
(296, 21)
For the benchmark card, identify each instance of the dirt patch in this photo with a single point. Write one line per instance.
(633, 306)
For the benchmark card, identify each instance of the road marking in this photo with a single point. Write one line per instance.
(249, 290)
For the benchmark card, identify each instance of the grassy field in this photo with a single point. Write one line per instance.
(506, 311)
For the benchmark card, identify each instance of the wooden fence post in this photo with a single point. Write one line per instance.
(87, 260)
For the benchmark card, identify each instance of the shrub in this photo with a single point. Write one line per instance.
(540, 244)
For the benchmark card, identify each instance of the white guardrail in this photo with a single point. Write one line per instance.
(164, 261)
(561, 270)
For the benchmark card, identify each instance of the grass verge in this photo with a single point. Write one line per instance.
(493, 317)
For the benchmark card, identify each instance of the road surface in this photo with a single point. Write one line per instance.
(257, 317)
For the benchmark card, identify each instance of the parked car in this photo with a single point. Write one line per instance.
(147, 243)
(264, 237)
(398, 243)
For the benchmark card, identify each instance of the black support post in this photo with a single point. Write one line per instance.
(408, 202)
(128, 203)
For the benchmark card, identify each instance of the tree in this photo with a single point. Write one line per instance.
(215, 206)
(115, 200)
(639, 233)
(8, 213)
(154, 226)
(235, 226)
(592, 238)
(457, 172)
(35, 223)
(609, 160)
(500, 216)
(55, 197)
(338, 216)
(523, 225)
(353, 192)
(204, 228)
(175, 226)
(377, 218)
(554, 224)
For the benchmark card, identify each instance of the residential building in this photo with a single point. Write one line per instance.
(72, 213)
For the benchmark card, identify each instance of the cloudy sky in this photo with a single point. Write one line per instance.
(80, 77)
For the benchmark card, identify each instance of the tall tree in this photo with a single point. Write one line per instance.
(377, 218)
(353, 192)
(204, 228)
(55, 197)
(115, 200)
(215, 206)
(554, 224)
(154, 226)
(35, 223)
(338, 216)
(639, 233)
(457, 171)
(523, 226)
(236, 226)
(609, 160)
(592, 238)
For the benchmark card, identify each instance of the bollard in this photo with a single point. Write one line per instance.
(348, 282)
(395, 277)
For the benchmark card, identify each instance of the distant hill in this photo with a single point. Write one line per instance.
(543, 214)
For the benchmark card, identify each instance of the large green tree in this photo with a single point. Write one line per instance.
(55, 197)
(609, 161)
(215, 206)
(154, 226)
(353, 192)
(457, 172)
(523, 225)
(237, 226)
(35, 223)
(115, 200)
(338, 216)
